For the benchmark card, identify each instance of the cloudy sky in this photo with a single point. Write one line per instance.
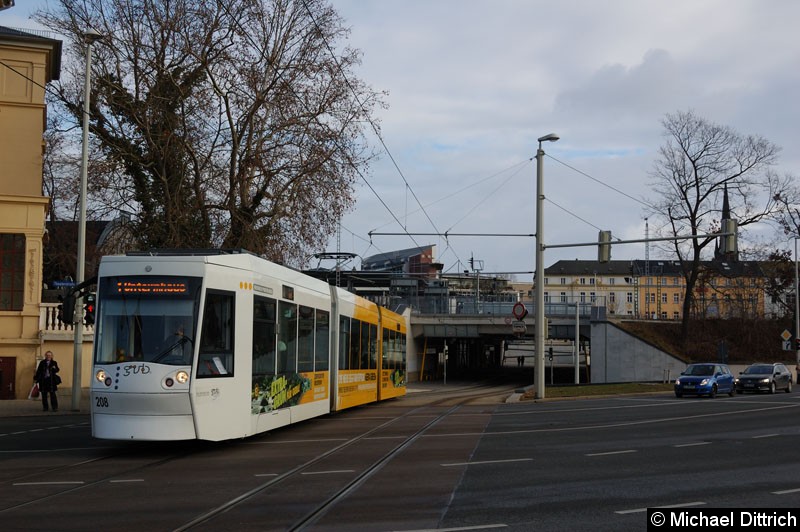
(473, 83)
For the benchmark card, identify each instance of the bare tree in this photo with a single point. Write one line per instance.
(700, 163)
(231, 123)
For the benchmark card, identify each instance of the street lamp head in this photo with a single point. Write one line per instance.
(90, 36)
(550, 137)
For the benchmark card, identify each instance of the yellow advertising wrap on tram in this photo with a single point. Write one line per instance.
(319, 387)
(357, 387)
(392, 355)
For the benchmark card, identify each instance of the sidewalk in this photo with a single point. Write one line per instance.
(30, 407)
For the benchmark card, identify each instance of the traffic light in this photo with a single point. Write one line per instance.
(67, 309)
(88, 310)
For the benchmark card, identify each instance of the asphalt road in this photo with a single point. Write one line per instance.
(591, 464)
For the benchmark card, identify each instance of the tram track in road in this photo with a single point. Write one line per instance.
(346, 487)
(313, 516)
(482, 394)
(299, 469)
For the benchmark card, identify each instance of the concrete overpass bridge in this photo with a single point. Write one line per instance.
(484, 343)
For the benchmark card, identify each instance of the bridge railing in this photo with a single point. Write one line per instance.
(472, 306)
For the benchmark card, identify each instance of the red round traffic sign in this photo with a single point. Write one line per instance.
(519, 310)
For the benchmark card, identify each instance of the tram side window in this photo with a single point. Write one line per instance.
(355, 344)
(305, 340)
(264, 336)
(216, 342)
(287, 337)
(373, 346)
(322, 342)
(344, 342)
(387, 361)
(364, 361)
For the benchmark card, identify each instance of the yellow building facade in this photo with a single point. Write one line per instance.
(27, 63)
(655, 290)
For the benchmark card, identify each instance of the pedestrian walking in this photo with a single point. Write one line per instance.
(48, 379)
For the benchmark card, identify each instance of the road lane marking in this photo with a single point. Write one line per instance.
(122, 481)
(640, 510)
(693, 444)
(612, 452)
(766, 436)
(457, 529)
(328, 472)
(785, 492)
(487, 462)
(53, 483)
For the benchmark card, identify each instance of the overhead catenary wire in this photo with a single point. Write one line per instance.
(618, 191)
(369, 119)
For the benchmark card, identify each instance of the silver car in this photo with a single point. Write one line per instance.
(764, 378)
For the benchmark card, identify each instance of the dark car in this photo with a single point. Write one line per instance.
(705, 379)
(764, 378)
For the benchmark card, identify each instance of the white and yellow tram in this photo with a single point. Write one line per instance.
(218, 345)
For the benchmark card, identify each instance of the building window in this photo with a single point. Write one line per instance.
(676, 297)
(664, 298)
(611, 280)
(630, 297)
(592, 297)
(546, 281)
(612, 297)
(583, 280)
(652, 298)
(592, 280)
(547, 297)
(675, 315)
(563, 297)
(583, 297)
(663, 315)
(563, 280)
(12, 271)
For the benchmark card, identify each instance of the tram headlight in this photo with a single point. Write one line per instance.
(182, 377)
(102, 377)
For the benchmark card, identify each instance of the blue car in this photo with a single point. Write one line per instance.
(705, 379)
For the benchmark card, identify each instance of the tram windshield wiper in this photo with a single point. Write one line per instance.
(182, 340)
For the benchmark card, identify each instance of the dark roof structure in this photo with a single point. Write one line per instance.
(639, 268)
(393, 260)
(37, 37)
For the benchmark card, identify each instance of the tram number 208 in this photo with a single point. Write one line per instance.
(101, 402)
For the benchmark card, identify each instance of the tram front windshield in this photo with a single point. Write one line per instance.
(146, 319)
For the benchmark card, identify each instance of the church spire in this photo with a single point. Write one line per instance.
(726, 208)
